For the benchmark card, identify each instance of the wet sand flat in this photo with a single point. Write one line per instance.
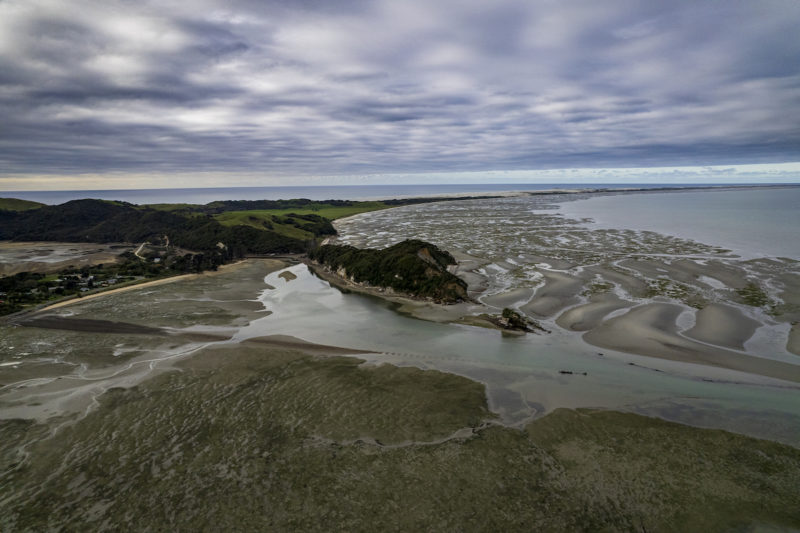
(559, 291)
(590, 315)
(509, 298)
(650, 330)
(630, 283)
(275, 440)
(293, 343)
(88, 325)
(532, 242)
(793, 343)
(53, 256)
(722, 325)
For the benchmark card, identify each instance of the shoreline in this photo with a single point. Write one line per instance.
(635, 332)
(602, 291)
(590, 191)
(136, 367)
(63, 394)
(142, 285)
(419, 308)
(513, 188)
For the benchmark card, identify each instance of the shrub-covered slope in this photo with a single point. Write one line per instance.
(104, 221)
(413, 267)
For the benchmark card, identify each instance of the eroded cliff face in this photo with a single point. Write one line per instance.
(414, 268)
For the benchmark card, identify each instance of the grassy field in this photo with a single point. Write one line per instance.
(247, 438)
(14, 204)
(261, 218)
(330, 212)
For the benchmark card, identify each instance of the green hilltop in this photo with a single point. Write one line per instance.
(15, 204)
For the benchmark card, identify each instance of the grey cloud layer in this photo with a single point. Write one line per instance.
(348, 87)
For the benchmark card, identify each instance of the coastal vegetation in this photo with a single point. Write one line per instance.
(412, 267)
(15, 204)
(232, 228)
(104, 221)
(192, 238)
(753, 295)
(22, 290)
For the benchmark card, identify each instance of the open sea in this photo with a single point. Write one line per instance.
(757, 222)
(337, 192)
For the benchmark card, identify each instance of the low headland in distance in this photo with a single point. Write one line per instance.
(272, 432)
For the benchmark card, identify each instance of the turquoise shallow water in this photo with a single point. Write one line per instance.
(751, 222)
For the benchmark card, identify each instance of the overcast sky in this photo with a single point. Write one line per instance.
(128, 93)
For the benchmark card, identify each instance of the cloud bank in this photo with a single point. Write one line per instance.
(294, 90)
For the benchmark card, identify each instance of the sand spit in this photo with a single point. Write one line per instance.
(590, 315)
(650, 330)
(293, 343)
(722, 325)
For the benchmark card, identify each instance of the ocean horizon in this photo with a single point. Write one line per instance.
(330, 192)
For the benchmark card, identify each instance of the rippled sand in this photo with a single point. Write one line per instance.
(520, 253)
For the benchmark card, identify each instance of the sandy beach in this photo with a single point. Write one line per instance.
(143, 285)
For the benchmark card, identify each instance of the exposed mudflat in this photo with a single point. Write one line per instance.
(53, 256)
(723, 325)
(262, 437)
(520, 253)
(263, 399)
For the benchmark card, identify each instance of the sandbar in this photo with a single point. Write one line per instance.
(650, 330)
(559, 291)
(589, 315)
(722, 325)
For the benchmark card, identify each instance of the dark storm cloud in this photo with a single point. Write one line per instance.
(302, 88)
